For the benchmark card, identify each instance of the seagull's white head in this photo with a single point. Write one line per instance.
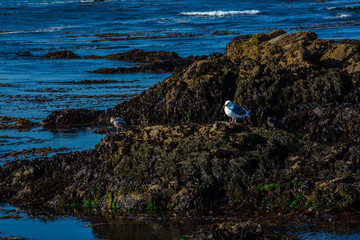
(112, 119)
(228, 102)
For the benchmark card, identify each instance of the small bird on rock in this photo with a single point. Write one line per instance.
(275, 123)
(234, 111)
(118, 123)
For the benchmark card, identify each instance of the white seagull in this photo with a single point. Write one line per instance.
(118, 123)
(234, 111)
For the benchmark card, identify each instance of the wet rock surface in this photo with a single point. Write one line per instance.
(7, 122)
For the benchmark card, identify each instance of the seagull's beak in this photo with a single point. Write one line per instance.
(224, 106)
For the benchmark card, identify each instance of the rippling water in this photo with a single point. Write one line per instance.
(44, 225)
(32, 86)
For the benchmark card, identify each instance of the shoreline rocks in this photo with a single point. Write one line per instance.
(180, 157)
(216, 169)
(303, 81)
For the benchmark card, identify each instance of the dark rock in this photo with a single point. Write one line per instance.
(72, 118)
(154, 61)
(275, 123)
(240, 231)
(61, 55)
(25, 54)
(275, 74)
(194, 95)
(16, 123)
(176, 157)
(142, 56)
(217, 169)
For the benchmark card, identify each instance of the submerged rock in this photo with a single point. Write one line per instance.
(16, 123)
(153, 61)
(61, 55)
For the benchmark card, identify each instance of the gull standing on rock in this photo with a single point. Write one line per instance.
(118, 123)
(234, 111)
(275, 123)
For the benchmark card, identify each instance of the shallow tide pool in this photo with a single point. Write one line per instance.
(44, 225)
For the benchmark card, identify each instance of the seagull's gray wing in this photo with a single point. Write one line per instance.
(122, 122)
(239, 110)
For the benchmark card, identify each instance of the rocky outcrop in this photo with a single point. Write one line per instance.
(68, 118)
(218, 169)
(297, 154)
(194, 95)
(16, 123)
(153, 61)
(61, 55)
(311, 85)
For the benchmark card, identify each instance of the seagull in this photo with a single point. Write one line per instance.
(234, 111)
(118, 123)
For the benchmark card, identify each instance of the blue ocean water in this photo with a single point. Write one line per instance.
(32, 86)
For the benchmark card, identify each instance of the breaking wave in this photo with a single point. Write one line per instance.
(339, 16)
(49, 29)
(220, 13)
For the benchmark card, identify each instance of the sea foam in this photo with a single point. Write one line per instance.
(339, 16)
(221, 13)
(49, 29)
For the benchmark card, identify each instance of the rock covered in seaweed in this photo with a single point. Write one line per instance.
(195, 95)
(286, 76)
(16, 123)
(216, 169)
(310, 85)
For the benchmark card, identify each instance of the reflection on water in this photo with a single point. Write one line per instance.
(43, 225)
(14, 144)
(331, 231)
(14, 222)
(145, 229)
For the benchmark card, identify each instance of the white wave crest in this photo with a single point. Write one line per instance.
(339, 16)
(343, 7)
(49, 29)
(65, 2)
(221, 13)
